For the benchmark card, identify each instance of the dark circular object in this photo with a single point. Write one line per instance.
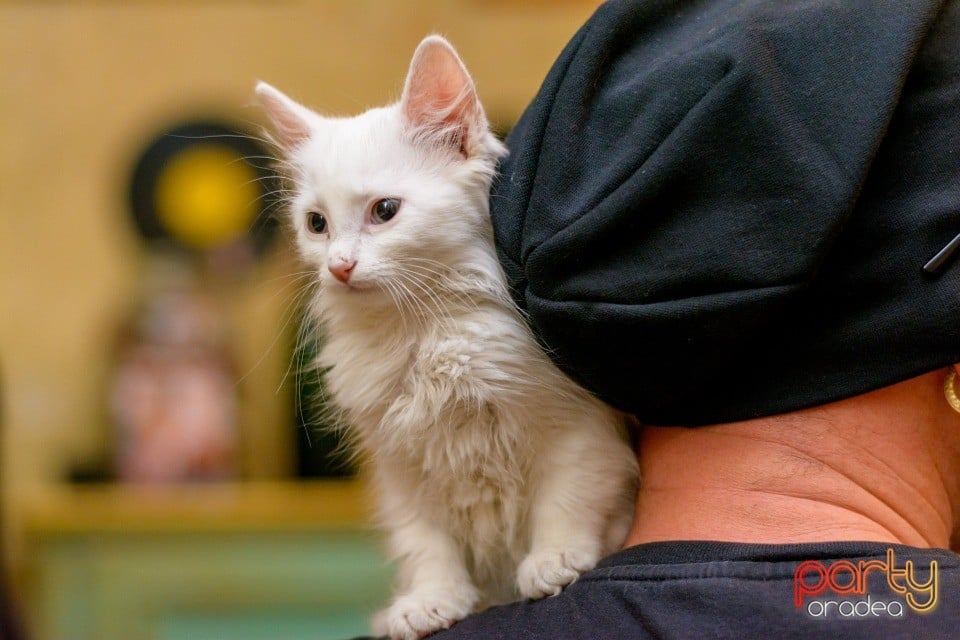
(173, 143)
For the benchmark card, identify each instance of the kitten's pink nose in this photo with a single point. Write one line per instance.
(341, 269)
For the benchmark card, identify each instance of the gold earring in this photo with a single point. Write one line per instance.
(950, 391)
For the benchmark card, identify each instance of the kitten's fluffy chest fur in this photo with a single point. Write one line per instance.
(429, 406)
(496, 476)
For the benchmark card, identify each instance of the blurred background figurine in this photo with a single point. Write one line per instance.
(173, 397)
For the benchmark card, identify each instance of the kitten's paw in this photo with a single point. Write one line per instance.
(379, 623)
(419, 614)
(547, 571)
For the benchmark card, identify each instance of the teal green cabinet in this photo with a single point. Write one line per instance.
(189, 564)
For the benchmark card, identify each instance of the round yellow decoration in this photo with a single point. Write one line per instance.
(207, 196)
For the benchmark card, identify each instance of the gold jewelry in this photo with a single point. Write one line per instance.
(950, 391)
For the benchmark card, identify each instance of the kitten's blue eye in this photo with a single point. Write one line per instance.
(384, 209)
(316, 223)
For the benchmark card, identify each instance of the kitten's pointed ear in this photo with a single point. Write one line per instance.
(291, 120)
(439, 98)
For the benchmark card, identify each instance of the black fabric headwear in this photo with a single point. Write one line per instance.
(720, 210)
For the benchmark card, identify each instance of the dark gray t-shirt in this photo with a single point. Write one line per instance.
(693, 590)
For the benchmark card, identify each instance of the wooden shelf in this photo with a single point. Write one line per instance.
(196, 508)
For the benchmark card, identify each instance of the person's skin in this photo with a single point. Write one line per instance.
(883, 466)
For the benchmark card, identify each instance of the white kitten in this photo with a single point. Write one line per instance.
(497, 476)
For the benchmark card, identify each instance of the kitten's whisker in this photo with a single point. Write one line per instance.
(212, 136)
(298, 339)
(271, 178)
(426, 309)
(437, 295)
(437, 308)
(407, 300)
(272, 159)
(451, 287)
(444, 273)
(298, 349)
(273, 209)
(283, 328)
(273, 192)
(264, 195)
(400, 303)
(408, 310)
(297, 274)
(297, 280)
(412, 302)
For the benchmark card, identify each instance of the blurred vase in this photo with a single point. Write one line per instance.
(173, 395)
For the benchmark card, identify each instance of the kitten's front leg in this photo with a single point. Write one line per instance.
(561, 550)
(583, 490)
(436, 590)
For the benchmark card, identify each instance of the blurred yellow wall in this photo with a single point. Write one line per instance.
(83, 85)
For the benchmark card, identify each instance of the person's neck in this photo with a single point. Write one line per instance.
(877, 467)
